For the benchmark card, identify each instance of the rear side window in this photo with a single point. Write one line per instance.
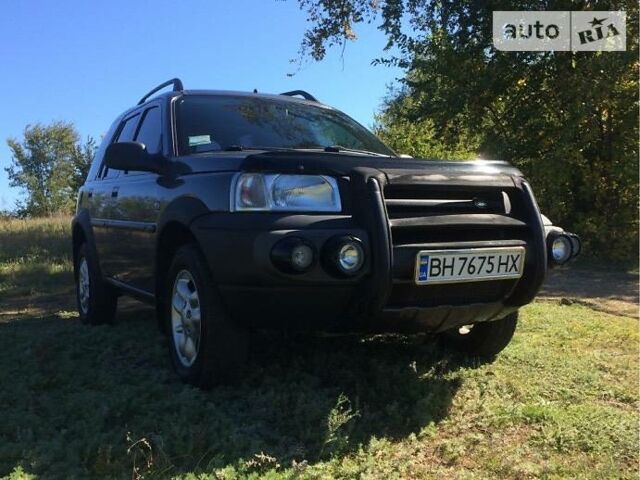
(96, 165)
(149, 131)
(127, 131)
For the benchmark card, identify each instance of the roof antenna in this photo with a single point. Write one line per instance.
(255, 90)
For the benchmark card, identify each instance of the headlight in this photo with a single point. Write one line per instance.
(285, 193)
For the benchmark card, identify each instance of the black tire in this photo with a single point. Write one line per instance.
(222, 345)
(485, 339)
(102, 298)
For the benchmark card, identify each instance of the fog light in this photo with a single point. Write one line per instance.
(293, 255)
(350, 257)
(343, 256)
(301, 257)
(560, 249)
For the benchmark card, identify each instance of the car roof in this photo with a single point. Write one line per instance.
(230, 93)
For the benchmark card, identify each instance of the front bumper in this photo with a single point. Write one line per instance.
(381, 297)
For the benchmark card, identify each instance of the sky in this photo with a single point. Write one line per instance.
(86, 62)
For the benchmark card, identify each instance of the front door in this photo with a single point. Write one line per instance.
(136, 194)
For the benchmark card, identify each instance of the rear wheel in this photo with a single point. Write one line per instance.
(97, 301)
(485, 339)
(206, 346)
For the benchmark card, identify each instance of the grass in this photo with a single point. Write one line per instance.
(35, 256)
(102, 402)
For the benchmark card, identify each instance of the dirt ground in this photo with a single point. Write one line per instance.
(608, 291)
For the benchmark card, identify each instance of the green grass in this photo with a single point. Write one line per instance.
(102, 402)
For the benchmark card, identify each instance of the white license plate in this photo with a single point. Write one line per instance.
(470, 265)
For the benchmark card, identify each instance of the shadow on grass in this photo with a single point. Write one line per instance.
(97, 400)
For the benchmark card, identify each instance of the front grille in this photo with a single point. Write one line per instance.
(428, 213)
(434, 216)
(411, 201)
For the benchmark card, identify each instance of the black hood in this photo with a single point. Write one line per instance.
(395, 169)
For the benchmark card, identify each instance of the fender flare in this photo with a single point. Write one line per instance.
(182, 211)
(82, 222)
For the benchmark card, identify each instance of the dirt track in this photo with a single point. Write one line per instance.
(608, 291)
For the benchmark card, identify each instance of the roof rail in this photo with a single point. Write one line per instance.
(177, 87)
(302, 93)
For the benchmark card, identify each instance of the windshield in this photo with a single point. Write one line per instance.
(211, 123)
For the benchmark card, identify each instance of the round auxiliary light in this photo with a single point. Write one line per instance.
(293, 255)
(350, 257)
(301, 257)
(343, 256)
(561, 249)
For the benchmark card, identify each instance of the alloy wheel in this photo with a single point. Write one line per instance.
(84, 285)
(185, 318)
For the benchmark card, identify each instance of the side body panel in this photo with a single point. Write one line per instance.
(133, 221)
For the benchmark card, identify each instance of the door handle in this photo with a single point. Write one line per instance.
(114, 192)
(89, 193)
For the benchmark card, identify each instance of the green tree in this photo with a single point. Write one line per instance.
(569, 120)
(419, 137)
(49, 165)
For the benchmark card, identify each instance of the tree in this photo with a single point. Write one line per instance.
(419, 138)
(569, 120)
(50, 164)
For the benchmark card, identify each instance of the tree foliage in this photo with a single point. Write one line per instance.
(419, 137)
(49, 165)
(569, 120)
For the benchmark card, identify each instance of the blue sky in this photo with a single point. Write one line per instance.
(86, 62)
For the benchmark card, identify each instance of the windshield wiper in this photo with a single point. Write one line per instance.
(238, 148)
(340, 148)
(242, 148)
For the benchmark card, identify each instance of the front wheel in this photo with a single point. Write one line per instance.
(206, 346)
(485, 339)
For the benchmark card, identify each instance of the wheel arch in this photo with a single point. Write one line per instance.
(173, 231)
(78, 237)
(81, 232)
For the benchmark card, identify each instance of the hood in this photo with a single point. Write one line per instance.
(395, 169)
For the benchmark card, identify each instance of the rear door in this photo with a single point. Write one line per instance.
(105, 208)
(137, 207)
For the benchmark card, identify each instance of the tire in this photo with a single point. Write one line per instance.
(485, 339)
(213, 350)
(97, 301)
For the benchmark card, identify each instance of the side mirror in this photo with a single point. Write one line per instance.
(132, 156)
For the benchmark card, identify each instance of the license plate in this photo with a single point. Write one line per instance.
(470, 265)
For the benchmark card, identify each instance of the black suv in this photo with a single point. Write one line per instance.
(232, 211)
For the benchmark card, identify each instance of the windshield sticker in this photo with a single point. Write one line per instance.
(199, 140)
